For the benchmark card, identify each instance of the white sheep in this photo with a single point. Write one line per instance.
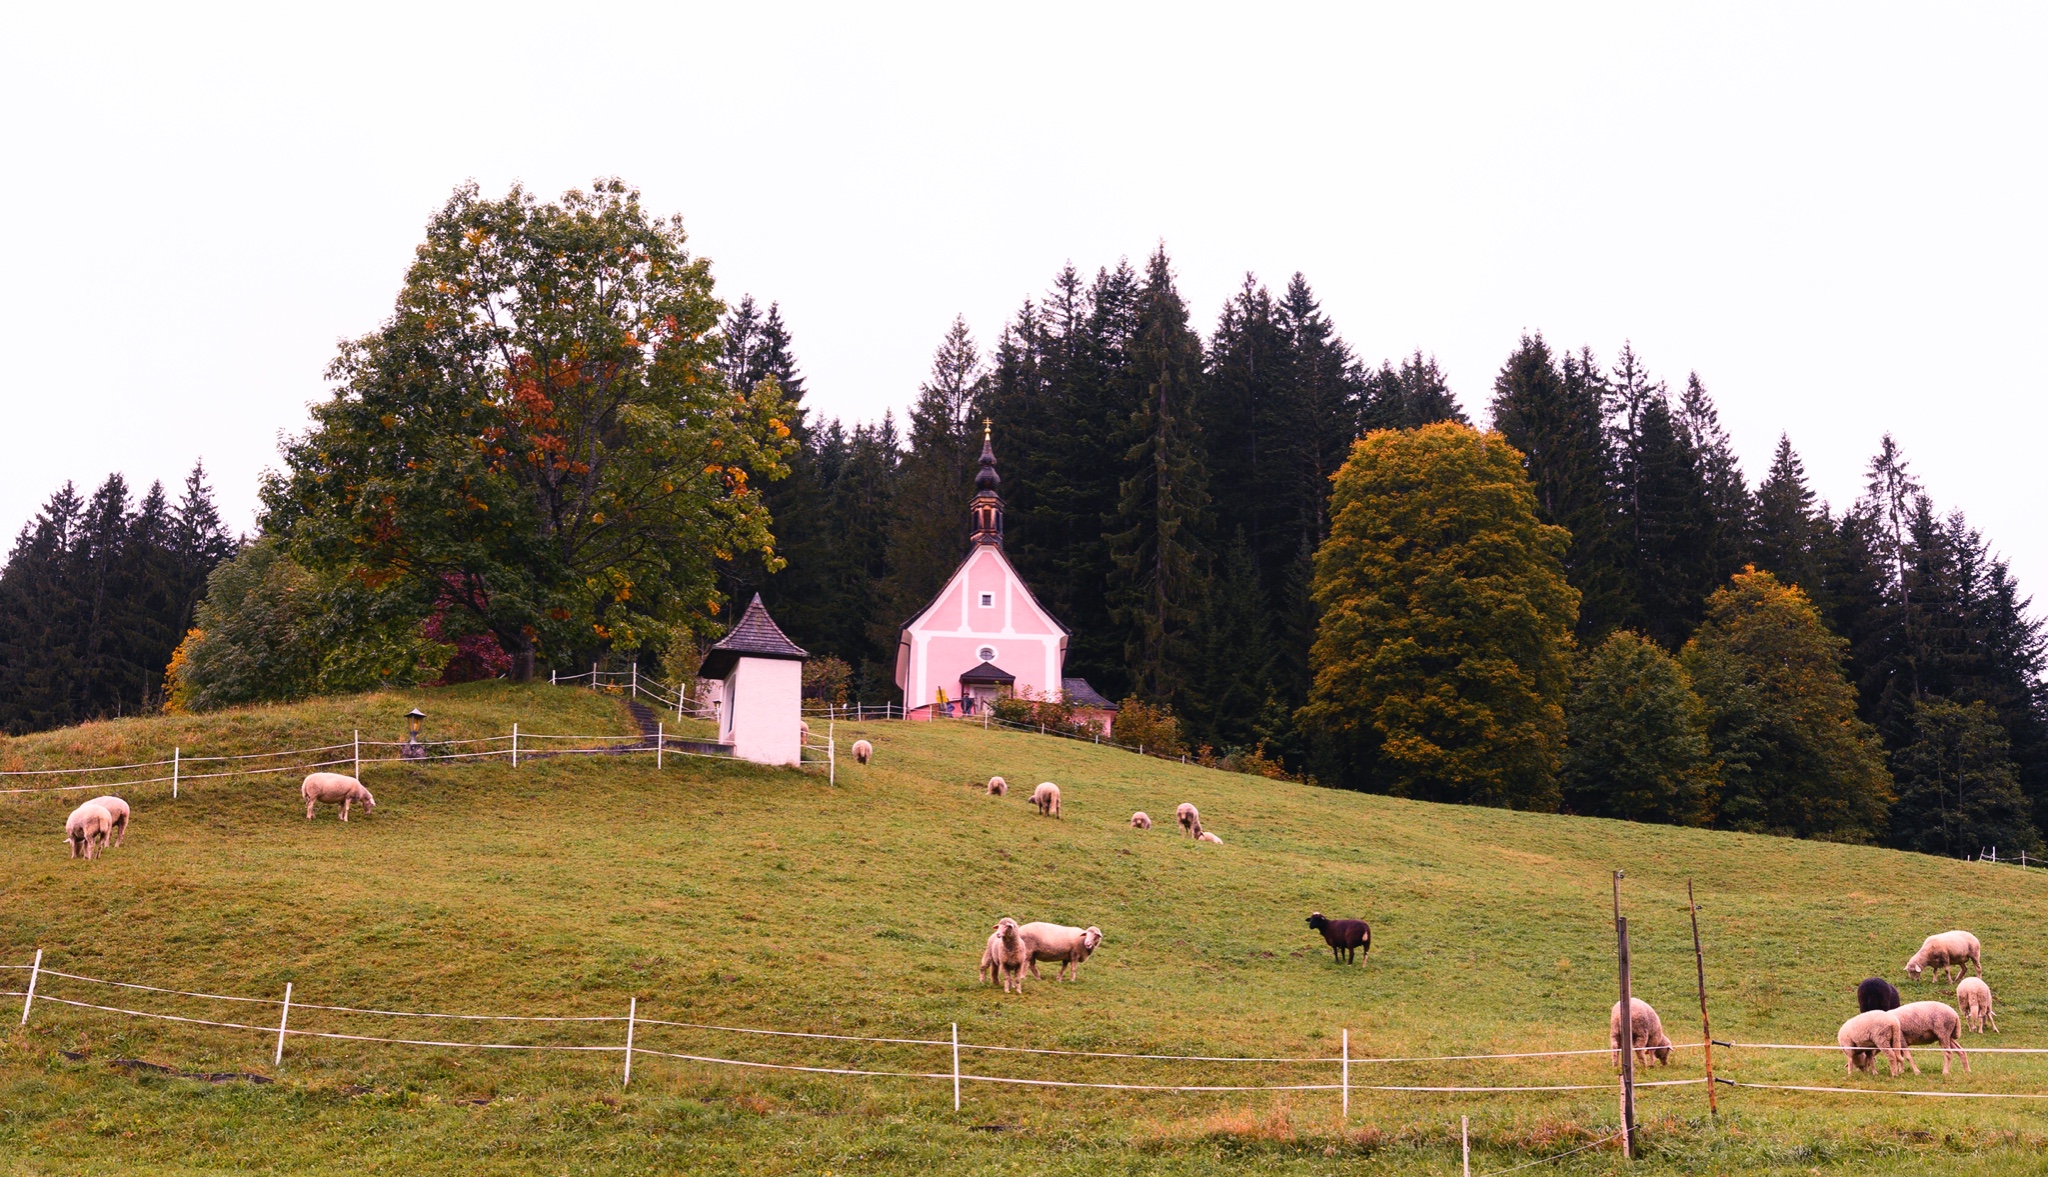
(334, 788)
(997, 786)
(803, 729)
(1645, 1033)
(1206, 836)
(863, 751)
(1190, 820)
(1141, 820)
(1975, 998)
(118, 810)
(1944, 951)
(87, 830)
(1069, 946)
(1869, 1034)
(1047, 797)
(1925, 1022)
(1006, 956)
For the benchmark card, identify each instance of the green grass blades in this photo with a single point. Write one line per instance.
(727, 894)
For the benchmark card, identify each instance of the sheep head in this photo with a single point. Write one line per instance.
(1316, 921)
(1089, 939)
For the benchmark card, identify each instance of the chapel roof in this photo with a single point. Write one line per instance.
(1080, 694)
(755, 635)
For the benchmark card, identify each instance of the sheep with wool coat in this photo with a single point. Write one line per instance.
(1869, 1034)
(118, 810)
(863, 751)
(1925, 1022)
(1141, 820)
(1206, 836)
(1975, 998)
(1190, 819)
(87, 829)
(333, 788)
(1006, 956)
(1943, 951)
(1876, 993)
(997, 786)
(1069, 946)
(1645, 1033)
(1346, 938)
(1047, 797)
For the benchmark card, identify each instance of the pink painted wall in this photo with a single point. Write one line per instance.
(945, 641)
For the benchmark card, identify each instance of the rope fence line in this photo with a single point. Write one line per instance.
(1555, 1156)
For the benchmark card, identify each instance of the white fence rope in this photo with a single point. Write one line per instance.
(1885, 1091)
(1555, 1156)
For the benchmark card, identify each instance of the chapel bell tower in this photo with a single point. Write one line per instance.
(987, 507)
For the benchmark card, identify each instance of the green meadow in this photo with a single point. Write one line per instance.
(720, 894)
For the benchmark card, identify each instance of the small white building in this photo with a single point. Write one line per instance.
(985, 634)
(761, 695)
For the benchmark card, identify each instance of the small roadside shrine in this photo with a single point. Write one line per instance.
(761, 694)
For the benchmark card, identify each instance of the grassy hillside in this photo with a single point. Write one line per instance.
(728, 894)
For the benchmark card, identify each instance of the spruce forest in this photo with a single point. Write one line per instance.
(1244, 531)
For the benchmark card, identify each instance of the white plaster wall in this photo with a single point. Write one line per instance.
(763, 706)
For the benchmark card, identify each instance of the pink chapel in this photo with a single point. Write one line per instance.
(985, 635)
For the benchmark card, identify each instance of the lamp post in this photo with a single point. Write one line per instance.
(412, 749)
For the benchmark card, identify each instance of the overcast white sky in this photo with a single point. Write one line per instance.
(1834, 214)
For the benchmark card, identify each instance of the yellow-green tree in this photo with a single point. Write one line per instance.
(1781, 717)
(1441, 659)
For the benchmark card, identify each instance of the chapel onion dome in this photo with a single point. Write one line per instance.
(987, 479)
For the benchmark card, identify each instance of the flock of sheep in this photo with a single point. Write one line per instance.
(103, 821)
(1884, 1027)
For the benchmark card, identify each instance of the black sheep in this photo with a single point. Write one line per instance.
(1876, 993)
(1345, 937)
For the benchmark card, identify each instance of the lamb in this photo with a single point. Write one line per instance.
(1206, 836)
(1345, 937)
(1868, 1034)
(332, 788)
(118, 810)
(87, 830)
(1923, 1022)
(1141, 820)
(1069, 946)
(1047, 797)
(1190, 820)
(1645, 1032)
(1975, 998)
(1006, 955)
(1944, 951)
(863, 751)
(1876, 993)
(997, 786)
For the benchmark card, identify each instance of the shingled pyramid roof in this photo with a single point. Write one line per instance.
(755, 636)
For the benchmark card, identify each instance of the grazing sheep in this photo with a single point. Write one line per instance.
(863, 751)
(1869, 1034)
(803, 729)
(997, 786)
(1975, 998)
(1141, 820)
(1645, 1032)
(1924, 1022)
(1190, 820)
(332, 788)
(1047, 797)
(1876, 993)
(1206, 836)
(118, 810)
(1944, 951)
(1069, 946)
(87, 830)
(1345, 937)
(1006, 956)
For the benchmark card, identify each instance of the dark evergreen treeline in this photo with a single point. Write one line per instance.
(96, 594)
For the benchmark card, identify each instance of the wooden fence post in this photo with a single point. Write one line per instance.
(1699, 961)
(1628, 1024)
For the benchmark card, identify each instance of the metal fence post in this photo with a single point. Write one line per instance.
(632, 1012)
(35, 972)
(283, 1017)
